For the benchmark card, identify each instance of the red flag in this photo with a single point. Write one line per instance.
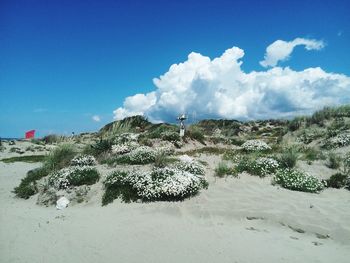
(30, 134)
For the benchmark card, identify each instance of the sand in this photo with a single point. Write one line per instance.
(243, 219)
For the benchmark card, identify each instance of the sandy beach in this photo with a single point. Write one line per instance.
(243, 219)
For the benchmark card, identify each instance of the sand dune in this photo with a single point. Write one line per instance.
(243, 219)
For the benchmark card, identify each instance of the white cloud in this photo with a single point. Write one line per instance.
(219, 88)
(281, 50)
(96, 118)
(136, 105)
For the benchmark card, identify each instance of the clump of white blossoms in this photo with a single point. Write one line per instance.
(340, 140)
(73, 175)
(83, 160)
(142, 155)
(124, 147)
(189, 165)
(165, 148)
(264, 166)
(166, 183)
(298, 181)
(255, 145)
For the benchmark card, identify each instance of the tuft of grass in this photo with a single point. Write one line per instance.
(26, 159)
(333, 161)
(223, 170)
(312, 154)
(60, 157)
(99, 148)
(288, 158)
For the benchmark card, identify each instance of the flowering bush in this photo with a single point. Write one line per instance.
(83, 160)
(144, 154)
(166, 183)
(340, 140)
(124, 147)
(73, 176)
(140, 155)
(166, 149)
(190, 166)
(261, 166)
(298, 181)
(255, 145)
(264, 166)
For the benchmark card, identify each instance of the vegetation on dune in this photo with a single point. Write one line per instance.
(298, 181)
(168, 183)
(28, 187)
(339, 180)
(57, 159)
(261, 148)
(26, 159)
(129, 124)
(223, 169)
(288, 158)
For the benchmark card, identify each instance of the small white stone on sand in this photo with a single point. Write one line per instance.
(62, 203)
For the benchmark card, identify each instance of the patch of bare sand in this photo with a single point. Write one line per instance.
(243, 219)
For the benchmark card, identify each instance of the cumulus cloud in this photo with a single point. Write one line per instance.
(219, 88)
(96, 118)
(281, 50)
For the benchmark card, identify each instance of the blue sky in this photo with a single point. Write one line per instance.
(62, 62)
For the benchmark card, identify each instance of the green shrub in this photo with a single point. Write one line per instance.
(83, 177)
(27, 187)
(288, 158)
(99, 148)
(334, 161)
(117, 187)
(60, 157)
(243, 164)
(338, 180)
(298, 181)
(170, 136)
